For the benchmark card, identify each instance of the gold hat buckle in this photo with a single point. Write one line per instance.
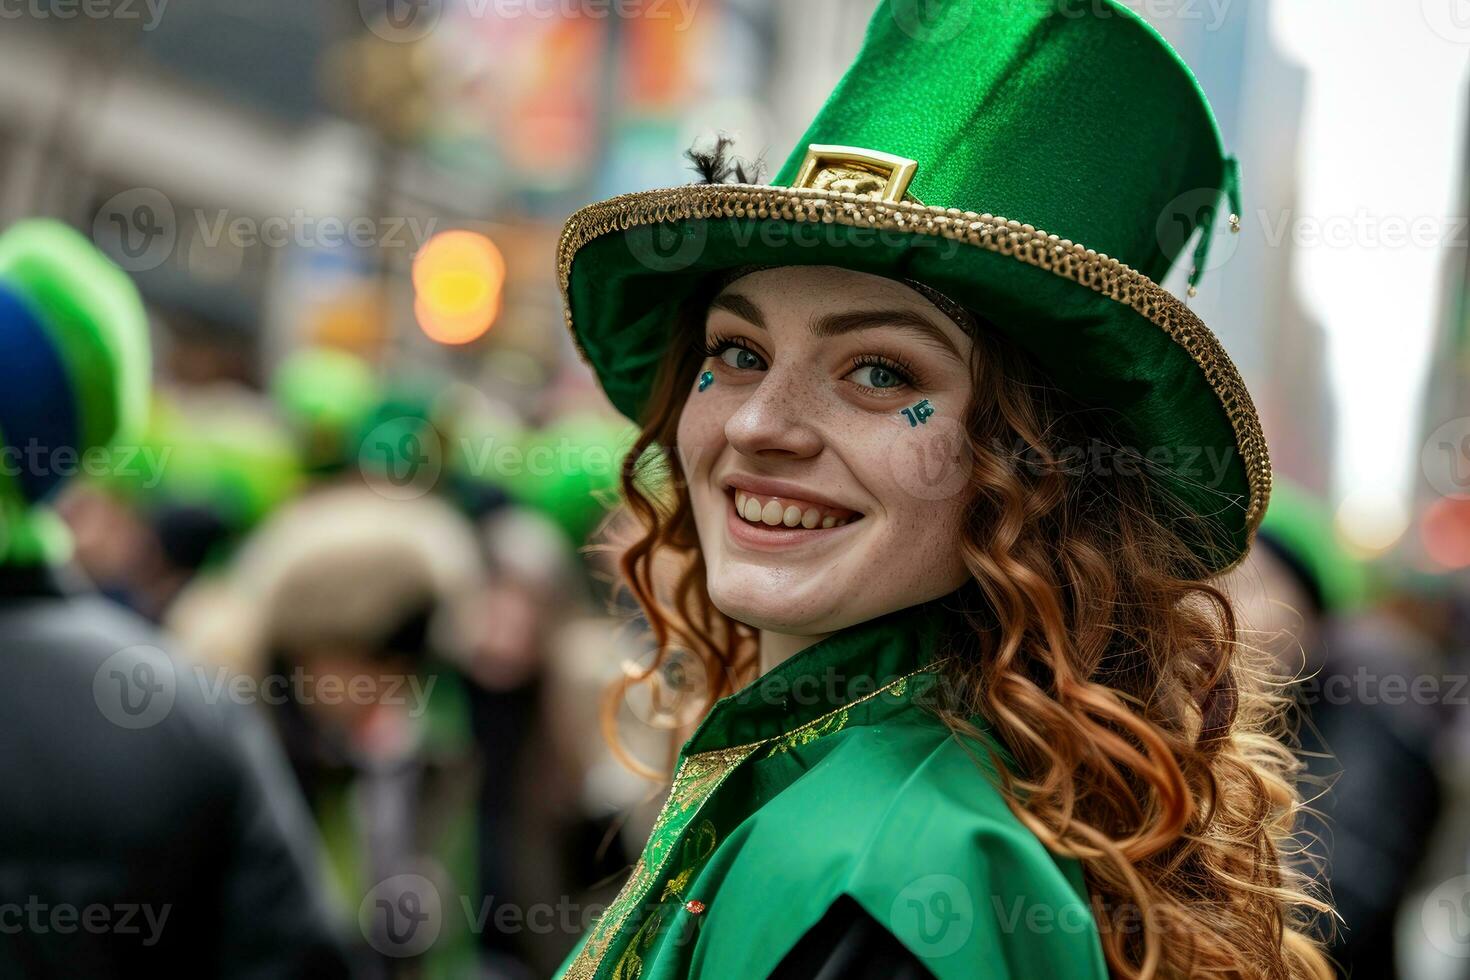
(871, 173)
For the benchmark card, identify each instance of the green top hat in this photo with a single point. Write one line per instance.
(1082, 123)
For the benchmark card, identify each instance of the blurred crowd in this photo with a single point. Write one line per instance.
(409, 616)
(331, 552)
(391, 571)
(401, 585)
(392, 565)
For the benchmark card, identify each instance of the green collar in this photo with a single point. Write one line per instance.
(847, 666)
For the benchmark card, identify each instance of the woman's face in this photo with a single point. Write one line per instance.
(823, 445)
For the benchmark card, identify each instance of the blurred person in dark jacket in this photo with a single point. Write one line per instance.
(146, 829)
(1366, 742)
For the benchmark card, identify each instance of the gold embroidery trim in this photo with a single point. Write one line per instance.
(836, 721)
(1025, 243)
(695, 852)
(695, 781)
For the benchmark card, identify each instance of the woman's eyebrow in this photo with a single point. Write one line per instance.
(741, 306)
(835, 324)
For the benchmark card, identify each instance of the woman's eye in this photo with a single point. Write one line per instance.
(739, 357)
(876, 376)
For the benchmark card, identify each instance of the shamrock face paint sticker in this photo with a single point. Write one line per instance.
(918, 414)
(706, 379)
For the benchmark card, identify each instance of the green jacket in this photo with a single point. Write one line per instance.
(827, 776)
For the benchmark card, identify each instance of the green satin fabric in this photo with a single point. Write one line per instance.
(1074, 117)
(855, 789)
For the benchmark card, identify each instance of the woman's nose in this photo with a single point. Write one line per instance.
(776, 420)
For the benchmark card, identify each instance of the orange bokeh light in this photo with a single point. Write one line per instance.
(458, 279)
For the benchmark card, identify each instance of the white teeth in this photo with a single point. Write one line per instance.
(775, 514)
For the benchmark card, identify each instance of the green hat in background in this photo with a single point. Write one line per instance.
(1040, 165)
(227, 455)
(406, 432)
(216, 452)
(569, 470)
(324, 394)
(1298, 527)
(74, 375)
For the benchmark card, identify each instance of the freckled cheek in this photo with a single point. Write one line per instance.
(701, 431)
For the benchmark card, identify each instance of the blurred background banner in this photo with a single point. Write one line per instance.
(372, 452)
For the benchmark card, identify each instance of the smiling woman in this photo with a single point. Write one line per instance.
(813, 366)
(929, 524)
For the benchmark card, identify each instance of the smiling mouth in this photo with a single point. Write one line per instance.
(792, 513)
